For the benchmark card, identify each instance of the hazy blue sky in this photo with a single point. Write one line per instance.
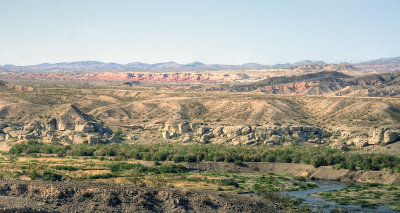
(210, 31)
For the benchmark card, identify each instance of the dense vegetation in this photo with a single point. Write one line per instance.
(317, 156)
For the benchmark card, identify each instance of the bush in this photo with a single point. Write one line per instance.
(126, 166)
(62, 167)
(238, 163)
(52, 176)
(318, 161)
(119, 134)
(172, 168)
(102, 176)
(317, 156)
(228, 182)
(178, 158)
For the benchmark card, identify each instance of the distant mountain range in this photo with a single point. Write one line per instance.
(96, 66)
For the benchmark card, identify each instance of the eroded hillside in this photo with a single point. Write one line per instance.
(149, 115)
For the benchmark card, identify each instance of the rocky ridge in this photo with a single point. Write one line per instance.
(327, 83)
(16, 87)
(70, 126)
(276, 134)
(80, 128)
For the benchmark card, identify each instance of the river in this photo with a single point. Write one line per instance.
(325, 206)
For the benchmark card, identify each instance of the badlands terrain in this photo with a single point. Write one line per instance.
(328, 121)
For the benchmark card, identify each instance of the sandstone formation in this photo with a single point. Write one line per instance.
(276, 134)
(15, 86)
(69, 126)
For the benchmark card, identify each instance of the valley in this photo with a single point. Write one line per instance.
(253, 135)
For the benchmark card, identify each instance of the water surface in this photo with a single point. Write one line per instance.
(325, 206)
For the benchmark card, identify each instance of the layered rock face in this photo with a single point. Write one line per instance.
(71, 126)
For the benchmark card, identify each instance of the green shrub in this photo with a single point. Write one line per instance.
(238, 162)
(228, 182)
(317, 156)
(126, 166)
(119, 134)
(172, 168)
(63, 167)
(52, 176)
(102, 176)
(178, 158)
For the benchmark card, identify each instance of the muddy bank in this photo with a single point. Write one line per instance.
(297, 169)
(42, 196)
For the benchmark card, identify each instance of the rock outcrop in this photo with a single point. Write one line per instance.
(241, 134)
(70, 126)
(341, 138)
(16, 87)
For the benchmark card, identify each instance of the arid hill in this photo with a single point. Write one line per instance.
(6, 85)
(329, 83)
(78, 115)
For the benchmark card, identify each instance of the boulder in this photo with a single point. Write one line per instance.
(391, 136)
(54, 139)
(340, 146)
(26, 137)
(246, 130)
(78, 139)
(232, 131)
(8, 137)
(166, 135)
(316, 141)
(2, 136)
(7, 129)
(273, 139)
(261, 133)
(183, 127)
(3, 125)
(358, 141)
(246, 138)
(218, 131)
(93, 139)
(66, 139)
(30, 136)
(186, 139)
(301, 136)
(153, 126)
(251, 142)
(112, 139)
(206, 138)
(310, 129)
(84, 127)
(221, 140)
(201, 130)
(376, 136)
(287, 144)
(296, 128)
(195, 125)
(52, 125)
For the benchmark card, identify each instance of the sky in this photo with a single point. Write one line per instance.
(210, 31)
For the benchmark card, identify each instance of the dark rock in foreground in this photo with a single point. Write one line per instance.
(42, 196)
